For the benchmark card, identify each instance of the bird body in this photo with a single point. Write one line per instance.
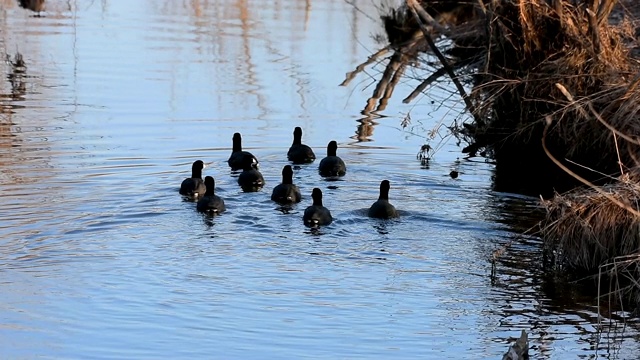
(382, 209)
(332, 165)
(237, 155)
(286, 192)
(193, 186)
(250, 178)
(316, 214)
(210, 202)
(300, 153)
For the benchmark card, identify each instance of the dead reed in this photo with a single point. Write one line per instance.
(586, 228)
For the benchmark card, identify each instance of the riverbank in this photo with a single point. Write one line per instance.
(551, 89)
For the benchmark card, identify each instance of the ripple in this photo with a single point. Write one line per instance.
(99, 254)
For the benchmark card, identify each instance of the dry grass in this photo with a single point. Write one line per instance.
(548, 45)
(514, 53)
(620, 284)
(584, 229)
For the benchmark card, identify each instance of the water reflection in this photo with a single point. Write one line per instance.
(285, 209)
(381, 227)
(119, 96)
(16, 77)
(364, 130)
(209, 220)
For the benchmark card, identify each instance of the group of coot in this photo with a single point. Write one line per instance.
(285, 193)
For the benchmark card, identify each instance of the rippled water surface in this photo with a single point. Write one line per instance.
(101, 258)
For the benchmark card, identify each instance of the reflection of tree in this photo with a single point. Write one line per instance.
(245, 38)
(364, 130)
(7, 4)
(211, 24)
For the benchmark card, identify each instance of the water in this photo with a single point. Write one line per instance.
(101, 258)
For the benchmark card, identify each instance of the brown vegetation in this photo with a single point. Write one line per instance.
(587, 228)
(555, 101)
(513, 53)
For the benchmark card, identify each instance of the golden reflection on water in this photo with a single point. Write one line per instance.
(277, 23)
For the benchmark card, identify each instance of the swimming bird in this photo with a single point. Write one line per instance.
(194, 186)
(317, 214)
(210, 202)
(382, 209)
(287, 192)
(236, 159)
(250, 178)
(332, 165)
(36, 6)
(300, 153)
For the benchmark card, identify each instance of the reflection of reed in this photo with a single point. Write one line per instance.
(236, 35)
(216, 20)
(16, 77)
(307, 14)
(9, 142)
(252, 76)
(7, 4)
(8, 139)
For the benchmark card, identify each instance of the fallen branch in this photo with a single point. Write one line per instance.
(421, 15)
(431, 79)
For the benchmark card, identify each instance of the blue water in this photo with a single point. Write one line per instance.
(100, 258)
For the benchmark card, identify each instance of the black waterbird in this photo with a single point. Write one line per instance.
(300, 153)
(332, 165)
(210, 203)
(316, 214)
(193, 186)
(237, 155)
(382, 209)
(286, 192)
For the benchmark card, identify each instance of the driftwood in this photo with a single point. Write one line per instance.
(518, 350)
